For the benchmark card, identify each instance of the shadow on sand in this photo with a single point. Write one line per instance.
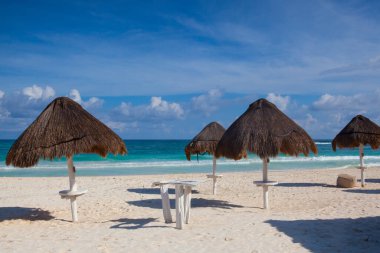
(148, 190)
(371, 180)
(195, 202)
(215, 203)
(304, 185)
(364, 191)
(135, 223)
(335, 235)
(24, 213)
(154, 191)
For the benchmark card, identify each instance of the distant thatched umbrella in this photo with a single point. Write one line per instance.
(358, 132)
(205, 142)
(64, 129)
(264, 130)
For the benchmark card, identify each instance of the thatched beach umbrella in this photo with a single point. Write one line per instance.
(205, 142)
(64, 129)
(358, 132)
(266, 131)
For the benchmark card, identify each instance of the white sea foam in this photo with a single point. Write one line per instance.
(323, 158)
(318, 161)
(6, 167)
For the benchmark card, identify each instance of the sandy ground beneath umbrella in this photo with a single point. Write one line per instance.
(123, 214)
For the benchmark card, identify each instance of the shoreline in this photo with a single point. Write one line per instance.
(201, 173)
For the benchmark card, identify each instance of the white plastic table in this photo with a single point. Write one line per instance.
(182, 199)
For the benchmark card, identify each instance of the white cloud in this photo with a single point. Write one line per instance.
(4, 113)
(93, 102)
(123, 126)
(75, 95)
(158, 109)
(226, 31)
(324, 100)
(161, 107)
(310, 120)
(26, 102)
(156, 118)
(125, 108)
(334, 111)
(48, 93)
(281, 102)
(36, 92)
(207, 103)
(19, 108)
(357, 102)
(120, 126)
(372, 64)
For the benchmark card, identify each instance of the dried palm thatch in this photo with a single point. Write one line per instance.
(265, 130)
(64, 128)
(205, 141)
(360, 130)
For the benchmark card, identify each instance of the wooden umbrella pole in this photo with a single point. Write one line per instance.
(73, 188)
(265, 179)
(214, 175)
(70, 167)
(361, 151)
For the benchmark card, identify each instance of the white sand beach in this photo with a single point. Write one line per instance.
(123, 214)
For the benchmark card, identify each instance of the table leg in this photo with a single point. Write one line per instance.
(187, 203)
(179, 206)
(166, 203)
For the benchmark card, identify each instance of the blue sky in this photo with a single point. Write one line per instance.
(164, 69)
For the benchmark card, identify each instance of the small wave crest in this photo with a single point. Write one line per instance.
(320, 161)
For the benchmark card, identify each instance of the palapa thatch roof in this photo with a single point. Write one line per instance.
(266, 131)
(64, 128)
(206, 140)
(360, 130)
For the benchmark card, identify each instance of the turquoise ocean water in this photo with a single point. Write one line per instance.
(167, 157)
